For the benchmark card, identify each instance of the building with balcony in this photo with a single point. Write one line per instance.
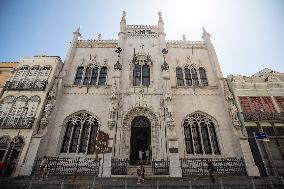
(260, 99)
(21, 107)
(6, 71)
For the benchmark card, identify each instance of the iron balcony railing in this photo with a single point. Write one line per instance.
(119, 166)
(69, 166)
(16, 122)
(161, 167)
(263, 116)
(224, 166)
(36, 85)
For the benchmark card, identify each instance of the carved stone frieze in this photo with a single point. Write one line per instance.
(97, 44)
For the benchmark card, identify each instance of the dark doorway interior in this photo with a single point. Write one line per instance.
(140, 139)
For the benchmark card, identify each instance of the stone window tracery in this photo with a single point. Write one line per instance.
(80, 134)
(44, 73)
(189, 76)
(141, 74)
(5, 106)
(200, 135)
(91, 75)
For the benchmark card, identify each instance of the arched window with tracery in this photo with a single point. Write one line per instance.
(44, 73)
(200, 134)
(103, 76)
(18, 111)
(80, 134)
(94, 77)
(87, 76)
(194, 76)
(203, 77)
(187, 75)
(179, 76)
(20, 75)
(5, 107)
(79, 75)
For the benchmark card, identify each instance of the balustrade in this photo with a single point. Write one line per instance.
(263, 116)
(16, 122)
(26, 85)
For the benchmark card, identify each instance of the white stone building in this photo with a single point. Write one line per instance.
(147, 94)
(21, 108)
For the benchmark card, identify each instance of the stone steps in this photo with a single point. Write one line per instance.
(132, 170)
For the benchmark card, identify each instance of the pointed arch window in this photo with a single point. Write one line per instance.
(200, 135)
(87, 76)
(141, 73)
(80, 134)
(79, 75)
(203, 77)
(137, 75)
(103, 76)
(194, 76)
(179, 76)
(94, 77)
(188, 79)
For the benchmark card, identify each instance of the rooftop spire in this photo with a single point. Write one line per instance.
(160, 17)
(205, 32)
(123, 17)
(183, 38)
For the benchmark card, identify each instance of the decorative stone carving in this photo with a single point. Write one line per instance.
(126, 129)
(117, 66)
(51, 99)
(165, 66)
(272, 79)
(233, 110)
(239, 79)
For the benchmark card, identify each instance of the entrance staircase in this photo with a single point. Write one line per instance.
(132, 170)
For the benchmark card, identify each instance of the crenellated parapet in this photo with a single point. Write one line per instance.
(185, 44)
(112, 43)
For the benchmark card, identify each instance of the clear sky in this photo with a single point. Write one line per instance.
(248, 35)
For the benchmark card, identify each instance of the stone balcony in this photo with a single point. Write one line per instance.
(26, 85)
(263, 116)
(16, 122)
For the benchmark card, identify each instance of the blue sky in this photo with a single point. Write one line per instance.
(248, 35)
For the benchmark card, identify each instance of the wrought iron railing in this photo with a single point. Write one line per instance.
(16, 122)
(263, 116)
(225, 166)
(26, 85)
(69, 166)
(161, 167)
(119, 166)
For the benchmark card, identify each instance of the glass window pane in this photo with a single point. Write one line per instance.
(67, 138)
(214, 139)
(84, 137)
(188, 139)
(103, 75)
(79, 76)
(146, 75)
(203, 77)
(179, 76)
(194, 76)
(95, 75)
(205, 138)
(137, 75)
(187, 75)
(75, 137)
(92, 139)
(196, 138)
(87, 76)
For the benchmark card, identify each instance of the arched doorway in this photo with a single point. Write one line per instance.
(140, 139)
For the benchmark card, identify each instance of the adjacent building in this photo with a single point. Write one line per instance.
(21, 107)
(260, 99)
(6, 71)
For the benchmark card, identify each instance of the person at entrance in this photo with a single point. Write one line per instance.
(142, 173)
(139, 175)
(147, 156)
(43, 169)
(140, 155)
(212, 169)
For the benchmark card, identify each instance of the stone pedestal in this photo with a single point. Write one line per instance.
(175, 167)
(252, 169)
(105, 165)
(27, 166)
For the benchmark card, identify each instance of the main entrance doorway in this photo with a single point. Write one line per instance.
(140, 140)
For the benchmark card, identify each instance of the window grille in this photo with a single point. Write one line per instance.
(203, 77)
(5, 107)
(44, 73)
(103, 76)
